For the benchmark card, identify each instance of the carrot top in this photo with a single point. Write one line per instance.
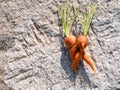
(65, 16)
(86, 18)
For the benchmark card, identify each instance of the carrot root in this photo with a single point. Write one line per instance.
(73, 51)
(89, 61)
(76, 61)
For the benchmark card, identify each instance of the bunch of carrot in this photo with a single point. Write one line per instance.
(77, 44)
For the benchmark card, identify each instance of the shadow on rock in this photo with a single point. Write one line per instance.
(83, 74)
(66, 64)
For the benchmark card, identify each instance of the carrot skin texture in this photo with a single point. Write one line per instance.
(77, 46)
(82, 41)
(76, 61)
(73, 51)
(89, 61)
(70, 41)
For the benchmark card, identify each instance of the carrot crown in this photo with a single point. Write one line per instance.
(86, 18)
(65, 16)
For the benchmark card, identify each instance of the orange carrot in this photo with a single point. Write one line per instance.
(77, 52)
(76, 44)
(82, 41)
(89, 61)
(70, 41)
(76, 61)
(73, 51)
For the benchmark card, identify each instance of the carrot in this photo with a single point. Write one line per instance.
(75, 55)
(88, 61)
(73, 51)
(65, 12)
(82, 41)
(70, 41)
(77, 52)
(76, 60)
(76, 44)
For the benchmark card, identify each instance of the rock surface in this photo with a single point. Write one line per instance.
(32, 56)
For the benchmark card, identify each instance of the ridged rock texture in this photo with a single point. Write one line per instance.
(32, 54)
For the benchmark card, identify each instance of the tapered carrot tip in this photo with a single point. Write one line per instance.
(89, 61)
(70, 41)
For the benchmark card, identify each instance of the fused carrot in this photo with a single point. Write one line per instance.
(76, 44)
(77, 52)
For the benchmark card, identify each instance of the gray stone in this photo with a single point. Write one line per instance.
(33, 56)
